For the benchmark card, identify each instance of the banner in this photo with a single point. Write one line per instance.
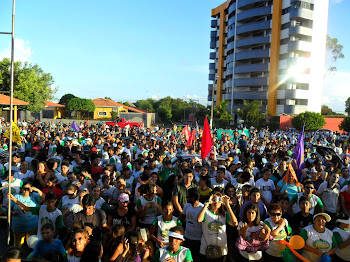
(229, 132)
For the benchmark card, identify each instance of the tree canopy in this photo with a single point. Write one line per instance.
(327, 111)
(347, 106)
(251, 112)
(80, 104)
(65, 98)
(313, 121)
(345, 124)
(333, 53)
(31, 83)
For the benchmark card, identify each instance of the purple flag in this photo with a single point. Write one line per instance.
(298, 154)
(75, 127)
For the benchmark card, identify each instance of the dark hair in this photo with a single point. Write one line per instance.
(104, 178)
(133, 239)
(167, 203)
(148, 188)
(51, 163)
(91, 252)
(193, 192)
(302, 198)
(50, 196)
(47, 226)
(274, 206)
(206, 180)
(245, 176)
(254, 207)
(342, 216)
(254, 190)
(53, 179)
(89, 200)
(12, 253)
(284, 198)
(229, 186)
(179, 229)
(187, 171)
(54, 256)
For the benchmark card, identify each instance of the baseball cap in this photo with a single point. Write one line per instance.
(325, 215)
(123, 197)
(94, 150)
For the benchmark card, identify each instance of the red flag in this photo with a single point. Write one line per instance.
(186, 132)
(192, 138)
(207, 140)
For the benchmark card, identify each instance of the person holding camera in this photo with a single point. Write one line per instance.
(214, 217)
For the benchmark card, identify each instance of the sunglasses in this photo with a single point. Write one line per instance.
(71, 194)
(26, 189)
(77, 239)
(309, 187)
(276, 214)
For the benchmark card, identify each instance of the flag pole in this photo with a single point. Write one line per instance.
(11, 121)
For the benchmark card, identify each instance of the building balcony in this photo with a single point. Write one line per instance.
(213, 34)
(212, 55)
(299, 46)
(301, 13)
(306, 1)
(250, 95)
(251, 68)
(231, 21)
(228, 83)
(212, 44)
(292, 94)
(229, 58)
(300, 30)
(231, 33)
(292, 109)
(253, 13)
(212, 77)
(253, 41)
(247, 4)
(227, 96)
(254, 26)
(230, 46)
(259, 53)
(214, 23)
(252, 81)
(212, 66)
(232, 8)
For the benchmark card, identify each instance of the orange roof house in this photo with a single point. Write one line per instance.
(57, 108)
(6, 100)
(104, 107)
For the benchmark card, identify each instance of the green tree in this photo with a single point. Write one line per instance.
(65, 98)
(145, 105)
(313, 121)
(108, 97)
(114, 115)
(333, 53)
(31, 83)
(164, 113)
(347, 106)
(251, 112)
(327, 111)
(345, 124)
(80, 104)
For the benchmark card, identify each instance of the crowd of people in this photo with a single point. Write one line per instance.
(104, 193)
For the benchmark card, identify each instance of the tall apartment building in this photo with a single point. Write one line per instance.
(272, 51)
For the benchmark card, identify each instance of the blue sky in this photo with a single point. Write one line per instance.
(130, 50)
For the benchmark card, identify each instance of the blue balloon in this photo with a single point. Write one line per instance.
(326, 258)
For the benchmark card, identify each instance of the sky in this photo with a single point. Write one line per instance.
(131, 50)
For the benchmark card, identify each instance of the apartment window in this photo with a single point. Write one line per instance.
(281, 101)
(283, 56)
(301, 4)
(285, 10)
(285, 26)
(284, 41)
(102, 113)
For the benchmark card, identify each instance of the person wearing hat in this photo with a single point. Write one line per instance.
(174, 252)
(319, 240)
(341, 234)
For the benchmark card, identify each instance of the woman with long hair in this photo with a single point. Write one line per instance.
(213, 216)
(76, 245)
(251, 228)
(289, 184)
(93, 252)
(41, 175)
(112, 240)
(128, 250)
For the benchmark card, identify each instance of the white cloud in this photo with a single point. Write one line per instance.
(22, 52)
(336, 90)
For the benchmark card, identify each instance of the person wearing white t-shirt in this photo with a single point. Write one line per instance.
(266, 186)
(219, 180)
(24, 172)
(319, 240)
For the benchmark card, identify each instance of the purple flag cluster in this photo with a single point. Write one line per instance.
(75, 127)
(298, 154)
